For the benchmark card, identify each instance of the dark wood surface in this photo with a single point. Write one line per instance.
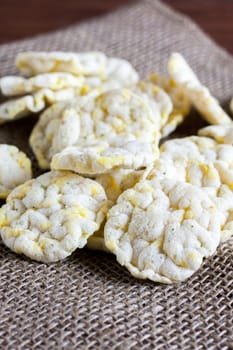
(22, 18)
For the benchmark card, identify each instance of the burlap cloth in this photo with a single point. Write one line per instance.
(88, 301)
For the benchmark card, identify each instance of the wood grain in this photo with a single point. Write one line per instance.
(22, 18)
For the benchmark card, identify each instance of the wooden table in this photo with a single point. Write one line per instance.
(21, 18)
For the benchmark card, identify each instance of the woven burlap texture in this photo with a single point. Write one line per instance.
(88, 301)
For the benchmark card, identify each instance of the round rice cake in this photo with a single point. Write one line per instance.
(101, 157)
(162, 230)
(49, 217)
(58, 127)
(197, 93)
(86, 63)
(117, 181)
(202, 175)
(105, 118)
(206, 164)
(15, 169)
(14, 85)
(220, 133)
(23, 106)
(122, 113)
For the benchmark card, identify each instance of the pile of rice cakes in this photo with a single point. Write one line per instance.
(111, 182)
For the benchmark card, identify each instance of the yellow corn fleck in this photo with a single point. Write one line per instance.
(155, 90)
(23, 190)
(81, 211)
(3, 221)
(219, 139)
(212, 174)
(120, 127)
(142, 85)
(204, 168)
(194, 256)
(182, 264)
(188, 214)
(158, 243)
(207, 171)
(45, 226)
(109, 163)
(172, 83)
(111, 245)
(14, 232)
(56, 66)
(153, 76)
(94, 190)
(113, 184)
(22, 161)
(84, 90)
(133, 200)
(42, 243)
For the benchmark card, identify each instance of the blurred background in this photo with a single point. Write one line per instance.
(23, 18)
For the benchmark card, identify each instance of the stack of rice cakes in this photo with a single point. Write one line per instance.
(108, 184)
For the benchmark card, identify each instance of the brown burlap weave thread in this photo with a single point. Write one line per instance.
(88, 301)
